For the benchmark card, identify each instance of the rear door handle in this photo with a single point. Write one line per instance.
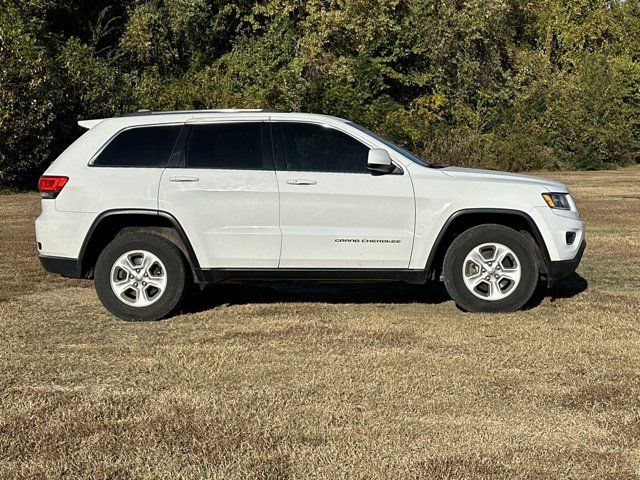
(183, 178)
(301, 181)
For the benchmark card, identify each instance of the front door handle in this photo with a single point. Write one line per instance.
(183, 178)
(301, 181)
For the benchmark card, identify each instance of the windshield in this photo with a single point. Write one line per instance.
(392, 146)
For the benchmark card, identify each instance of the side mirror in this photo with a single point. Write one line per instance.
(379, 161)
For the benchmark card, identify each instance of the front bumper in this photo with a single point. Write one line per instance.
(67, 267)
(561, 268)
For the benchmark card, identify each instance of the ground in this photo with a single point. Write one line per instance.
(381, 381)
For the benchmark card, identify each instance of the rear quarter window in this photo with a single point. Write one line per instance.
(140, 147)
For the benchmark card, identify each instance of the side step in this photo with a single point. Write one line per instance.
(220, 275)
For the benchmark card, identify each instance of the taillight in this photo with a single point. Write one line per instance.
(50, 186)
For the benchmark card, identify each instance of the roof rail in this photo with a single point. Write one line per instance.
(220, 110)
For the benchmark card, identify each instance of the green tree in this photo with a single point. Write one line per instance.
(26, 100)
(510, 84)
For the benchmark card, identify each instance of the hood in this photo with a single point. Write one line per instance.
(472, 174)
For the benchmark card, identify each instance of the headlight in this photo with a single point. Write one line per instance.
(561, 201)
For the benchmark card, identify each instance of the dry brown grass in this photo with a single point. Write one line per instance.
(386, 381)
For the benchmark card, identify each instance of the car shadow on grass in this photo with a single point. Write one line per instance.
(361, 293)
(567, 287)
(306, 292)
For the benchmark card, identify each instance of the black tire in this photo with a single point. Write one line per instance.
(173, 262)
(479, 235)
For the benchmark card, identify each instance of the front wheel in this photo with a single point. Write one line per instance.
(490, 268)
(140, 276)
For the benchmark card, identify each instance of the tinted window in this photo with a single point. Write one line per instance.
(140, 147)
(393, 146)
(316, 148)
(228, 145)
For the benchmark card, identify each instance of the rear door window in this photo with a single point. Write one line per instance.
(233, 146)
(140, 147)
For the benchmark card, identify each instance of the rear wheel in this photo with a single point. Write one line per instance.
(490, 268)
(140, 276)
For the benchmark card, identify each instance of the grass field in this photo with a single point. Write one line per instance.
(381, 381)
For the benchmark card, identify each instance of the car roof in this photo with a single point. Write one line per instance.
(149, 117)
(191, 112)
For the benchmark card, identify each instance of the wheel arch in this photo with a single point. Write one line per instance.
(109, 224)
(462, 220)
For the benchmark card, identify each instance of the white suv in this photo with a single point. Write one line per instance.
(150, 202)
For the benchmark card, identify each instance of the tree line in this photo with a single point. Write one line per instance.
(509, 84)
